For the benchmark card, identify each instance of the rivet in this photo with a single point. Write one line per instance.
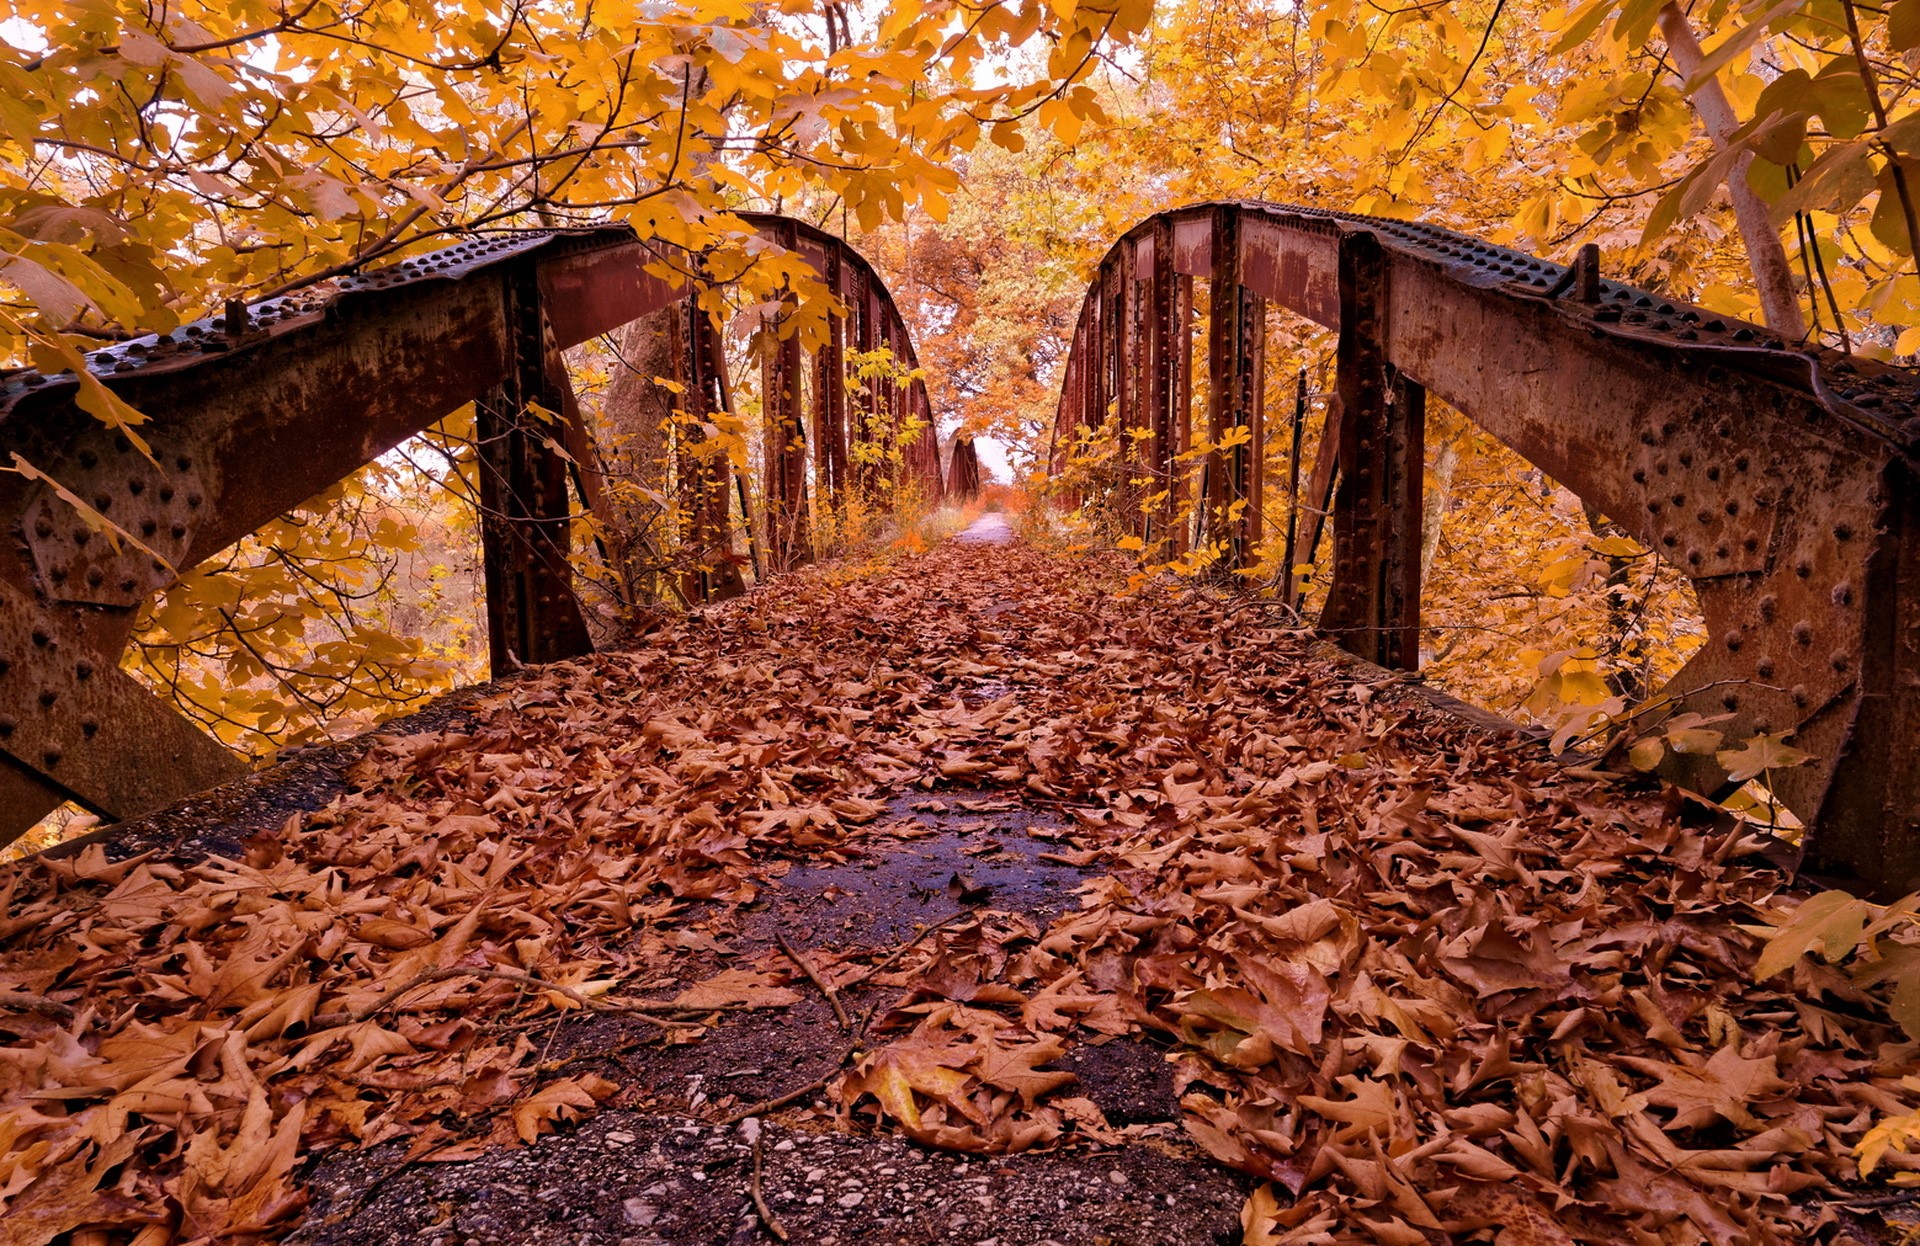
(43, 526)
(1803, 633)
(1720, 551)
(95, 576)
(136, 486)
(1764, 668)
(1768, 605)
(83, 670)
(1640, 475)
(128, 584)
(1843, 594)
(6, 725)
(1703, 517)
(47, 697)
(101, 501)
(1729, 701)
(81, 536)
(51, 757)
(1802, 569)
(1669, 540)
(1686, 458)
(89, 459)
(89, 727)
(193, 499)
(166, 493)
(58, 575)
(1735, 640)
(1740, 463)
(41, 638)
(149, 526)
(1800, 695)
(1842, 532)
(179, 530)
(1660, 465)
(1693, 558)
(1840, 660)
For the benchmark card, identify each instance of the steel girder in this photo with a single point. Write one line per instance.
(254, 411)
(1780, 478)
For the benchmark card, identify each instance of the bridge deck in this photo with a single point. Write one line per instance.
(1181, 855)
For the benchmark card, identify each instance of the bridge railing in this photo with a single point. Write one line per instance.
(252, 412)
(1778, 477)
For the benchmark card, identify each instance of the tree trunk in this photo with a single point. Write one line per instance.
(1765, 256)
(631, 434)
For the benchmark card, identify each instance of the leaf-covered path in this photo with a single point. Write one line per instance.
(966, 898)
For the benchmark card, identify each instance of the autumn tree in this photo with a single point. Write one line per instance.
(161, 161)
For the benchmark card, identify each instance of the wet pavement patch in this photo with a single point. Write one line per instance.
(653, 1169)
(941, 853)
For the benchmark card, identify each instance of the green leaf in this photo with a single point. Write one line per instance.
(1761, 754)
(1737, 43)
(1903, 24)
(1587, 19)
(1831, 920)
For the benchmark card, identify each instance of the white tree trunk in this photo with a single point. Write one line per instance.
(1765, 255)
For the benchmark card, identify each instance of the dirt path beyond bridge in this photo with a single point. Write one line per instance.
(971, 898)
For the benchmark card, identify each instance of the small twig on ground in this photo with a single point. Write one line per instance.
(813, 976)
(799, 1092)
(904, 948)
(38, 1005)
(751, 1127)
(644, 1009)
(1877, 1200)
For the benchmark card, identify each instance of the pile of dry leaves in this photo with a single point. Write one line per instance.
(1421, 982)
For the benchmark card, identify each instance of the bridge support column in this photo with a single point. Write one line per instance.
(830, 395)
(1373, 599)
(784, 498)
(1868, 824)
(1233, 362)
(1161, 334)
(532, 614)
(704, 474)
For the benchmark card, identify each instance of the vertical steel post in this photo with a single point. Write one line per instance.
(1868, 824)
(1184, 508)
(1373, 601)
(1288, 594)
(1230, 366)
(830, 392)
(1253, 328)
(525, 528)
(1162, 306)
(703, 475)
(784, 497)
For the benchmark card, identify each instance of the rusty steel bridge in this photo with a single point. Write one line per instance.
(1779, 477)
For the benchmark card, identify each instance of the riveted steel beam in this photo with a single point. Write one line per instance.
(1776, 476)
(525, 514)
(254, 411)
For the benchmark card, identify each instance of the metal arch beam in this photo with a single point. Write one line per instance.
(1782, 480)
(252, 413)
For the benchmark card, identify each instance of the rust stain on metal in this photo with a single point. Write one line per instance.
(1780, 478)
(256, 409)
